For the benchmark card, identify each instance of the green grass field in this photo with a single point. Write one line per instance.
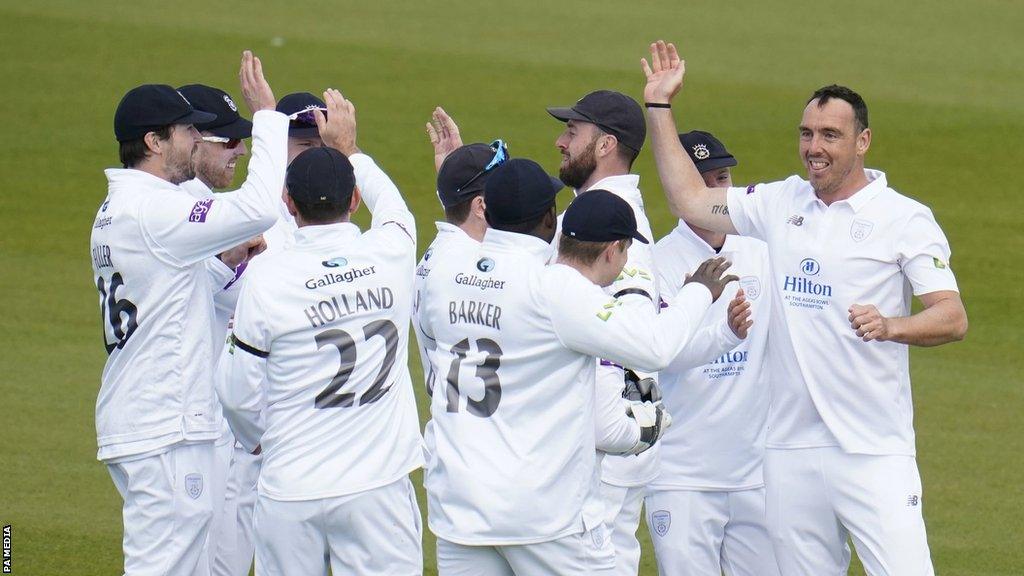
(942, 79)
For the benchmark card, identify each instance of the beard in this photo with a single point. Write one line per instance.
(211, 171)
(179, 165)
(579, 168)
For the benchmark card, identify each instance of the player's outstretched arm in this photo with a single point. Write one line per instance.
(444, 136)
(184, 230)
(627, 330)
(688, 197)
(717, 334)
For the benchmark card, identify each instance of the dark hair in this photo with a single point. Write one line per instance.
(627, 154)
(459, 213)
(322, 212)
(133, 152)
(530, 227)
(860, 109)
(583, 251)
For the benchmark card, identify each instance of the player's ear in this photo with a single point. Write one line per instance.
(354, 204)
(153, 142)
(477, 208)
(863, 141)
(289, 204)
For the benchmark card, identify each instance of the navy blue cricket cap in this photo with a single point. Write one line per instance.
(600, 216)
(321, 174)
(519, 191)
(613, 112)
(707, 152)
(152, 106)
(294, 105)
(463, 174)
(228, 124)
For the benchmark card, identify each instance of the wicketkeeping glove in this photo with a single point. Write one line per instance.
(653, 420)
(640, 389)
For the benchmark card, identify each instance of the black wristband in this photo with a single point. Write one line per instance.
(656, 105)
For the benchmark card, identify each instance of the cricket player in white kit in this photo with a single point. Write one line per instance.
(846, 254)
(156, 414)
(462, 172)
(512, 477)
(705, 509)
(603, 135)
(318, 375)
(233, 481)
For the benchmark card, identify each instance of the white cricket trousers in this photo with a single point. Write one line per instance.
(232, 544)
(167, 511)
(622, 510)
(817, 497)
(698, 533)
(375, 532)
(581, 554)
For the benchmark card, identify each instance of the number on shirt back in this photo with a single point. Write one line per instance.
(122, 315)
(331, 396)
(487, 371)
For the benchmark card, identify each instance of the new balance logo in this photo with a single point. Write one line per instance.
(795, 220)
(913, 500)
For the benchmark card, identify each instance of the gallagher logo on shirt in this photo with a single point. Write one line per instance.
(485, 265)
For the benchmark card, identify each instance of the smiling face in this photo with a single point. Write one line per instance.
(832, 147)
(215, 163)
(577, 144)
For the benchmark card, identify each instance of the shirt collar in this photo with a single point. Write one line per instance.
(137, 179)
(876, 183)
(625, 186)
(315, 236)
(445, 228)
(687, 234)
(512, 242)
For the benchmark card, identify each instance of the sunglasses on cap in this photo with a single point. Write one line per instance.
(305, 117)
(500, 157)
(229, 143)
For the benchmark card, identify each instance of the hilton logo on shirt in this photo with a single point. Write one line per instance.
(818, 294)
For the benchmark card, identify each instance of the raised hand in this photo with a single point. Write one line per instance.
(338, 129)
(710, 274)
(664, 73)
(739, 315)
(444, 136)
(255, 90)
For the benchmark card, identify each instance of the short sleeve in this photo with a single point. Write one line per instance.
(750, 207)
(923, 254)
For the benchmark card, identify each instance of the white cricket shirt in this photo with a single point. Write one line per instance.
(450, 238)
(512, 454)
(717, 390)
(318, 374)
(149, 244)
(877, 247)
